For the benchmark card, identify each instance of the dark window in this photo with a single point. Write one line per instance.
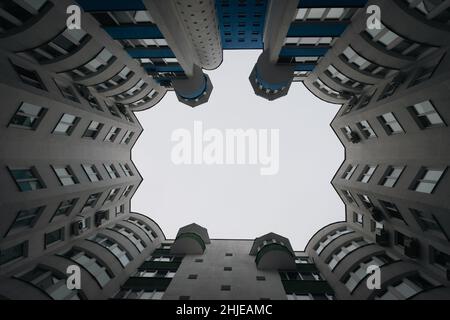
(28, 116)
(91, 201)
(65, 207)
(27, 218)
(29, 77)
(27, 179)
(13, 253)
(54, 236)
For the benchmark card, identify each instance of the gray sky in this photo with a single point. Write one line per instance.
(235, 201)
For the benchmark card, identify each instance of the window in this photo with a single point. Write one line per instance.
(112, 195)
(127, 137)
(427, 180)
(155, 274)
(120, 210)
(65, 175)
(427, 221)
(108, 243)
(94, 267)
(91, 201)
(93, 130)
(426, 115)
(143, 226)
(309, 41)
(52, 283)
(127, 191)
(228, 254)
(360, 272)
(192, 276)
(225, 288)
(334, 73)
(29, 77)
(127, 170)
(147, 294)
(65, 207)
(358, 218)
(396, 43)
(111, 171)
(115, 81)
(406, 288)
(92, 172)
(300, 275)
(366, 129)
(95, 65)
(198, 260)
(422, 75)
(67, 91)
(260, 278)
(349, 172)
(227, 268)
(330, 238)
(26, 218)
(440, 258)
(27, 179)
(303, 260)
(366, 200)
(348, 196)
(375, 225)
(66, 124)
(310, 296)
(391, 209)
(391, 176)
(17, 13)
(322, 14)
(13, 253)
(54, 237)
(390, 124)
(112, 134)
(431, 9)
(367, 174)
(28, 116)
(112, 109)
(341, 253)
(134, 238)
(358, 61)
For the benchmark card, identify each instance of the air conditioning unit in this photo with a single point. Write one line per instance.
(411, 248)
(376, 213)
(79, 226)
(354, 137)
(382, 237)
(101, 217)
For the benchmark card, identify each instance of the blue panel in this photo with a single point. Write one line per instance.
(332, 3)
(317, 29)
(305, 67)
(111, 5)
(241, 23)
(164, 68)
(151, 53)
(303, 51)
(134, 32)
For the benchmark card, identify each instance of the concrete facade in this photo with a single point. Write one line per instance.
(68, 127)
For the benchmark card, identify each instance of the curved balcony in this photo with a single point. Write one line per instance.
(188, 243)
(275, 256)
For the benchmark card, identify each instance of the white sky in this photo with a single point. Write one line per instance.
(235, 201)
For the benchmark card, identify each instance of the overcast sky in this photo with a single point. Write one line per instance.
(235, 201)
